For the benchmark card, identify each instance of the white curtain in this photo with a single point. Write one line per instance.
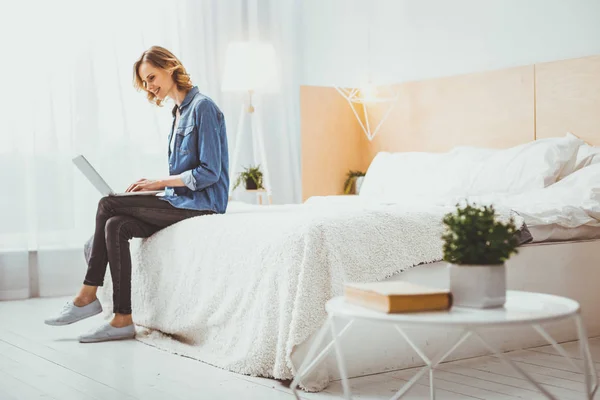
(66, 74)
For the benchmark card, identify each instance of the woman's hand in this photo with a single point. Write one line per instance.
(144, 185)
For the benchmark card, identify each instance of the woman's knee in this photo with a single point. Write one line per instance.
(114, 228)
(105, 204)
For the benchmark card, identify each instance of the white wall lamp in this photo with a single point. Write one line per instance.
(370, 95)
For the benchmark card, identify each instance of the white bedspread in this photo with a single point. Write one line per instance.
(240, 290)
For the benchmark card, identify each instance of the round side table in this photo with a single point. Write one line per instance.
(521, 308)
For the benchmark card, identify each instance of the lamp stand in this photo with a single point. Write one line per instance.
(258, 146)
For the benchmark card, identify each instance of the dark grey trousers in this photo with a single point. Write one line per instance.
(118, 219)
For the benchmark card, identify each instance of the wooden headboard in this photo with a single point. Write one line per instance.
(568, 99)
(497, 109)
(489, 109)
(331, 140)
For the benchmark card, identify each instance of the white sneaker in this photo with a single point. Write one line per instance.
(107, 332)
(71, 313)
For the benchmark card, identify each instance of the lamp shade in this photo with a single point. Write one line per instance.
(250, 66)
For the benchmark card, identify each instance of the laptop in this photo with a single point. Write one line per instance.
(95, 179)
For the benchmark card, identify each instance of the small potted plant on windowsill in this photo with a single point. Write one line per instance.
(476, 246)
(252, 177)
(353, 182)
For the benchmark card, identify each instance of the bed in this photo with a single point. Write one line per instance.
(566, 209)
(245, 291)
(242, 290)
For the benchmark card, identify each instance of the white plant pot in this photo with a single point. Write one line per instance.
(358, 184)
(479, 286)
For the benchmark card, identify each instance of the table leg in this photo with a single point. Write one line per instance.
(589, 368)
(406, 387)
(308, 364)
(340, 360)
(431, 385)
(430, 365)
(556, 346)
(514, 366)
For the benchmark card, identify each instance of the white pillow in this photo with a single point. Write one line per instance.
(522, 168)
(393, 177)
(587, 155)
(571, 202)
(584, 151)
(465, 171)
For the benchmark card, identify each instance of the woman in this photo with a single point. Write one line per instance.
(198, 184)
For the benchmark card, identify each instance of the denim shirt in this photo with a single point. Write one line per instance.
(200, 156)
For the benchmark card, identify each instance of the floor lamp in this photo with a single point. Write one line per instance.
(251, 67)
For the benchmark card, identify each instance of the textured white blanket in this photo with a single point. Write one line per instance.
(241, 290)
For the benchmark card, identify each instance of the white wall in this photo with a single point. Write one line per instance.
(419, 39)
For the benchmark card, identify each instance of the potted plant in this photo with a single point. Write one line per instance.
(476, 246)
(252, 177)
(353, 182)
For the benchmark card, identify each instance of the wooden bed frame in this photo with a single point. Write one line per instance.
(490, 109)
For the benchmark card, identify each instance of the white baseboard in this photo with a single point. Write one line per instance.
(45, 273)
(14, 275)
(18, 294)
(60, 272)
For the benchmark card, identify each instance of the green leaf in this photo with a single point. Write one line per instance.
(250, 172)
(474, 236)
(351, 179)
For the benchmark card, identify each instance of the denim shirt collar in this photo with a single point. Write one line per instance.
(188, 97)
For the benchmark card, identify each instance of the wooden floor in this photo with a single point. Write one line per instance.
(44, 362)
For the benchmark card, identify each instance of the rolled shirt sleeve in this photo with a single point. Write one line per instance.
(188, 179)
(207, 120)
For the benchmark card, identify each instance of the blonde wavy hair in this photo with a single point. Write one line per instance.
(159, 57)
